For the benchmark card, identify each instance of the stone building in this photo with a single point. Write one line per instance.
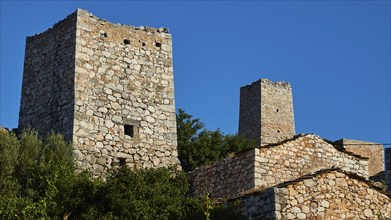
(266, 166)
(266, 112)
(373, 151)
(293, 176)
(108, 88)
(326, 194)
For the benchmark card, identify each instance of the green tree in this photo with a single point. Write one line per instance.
(198, 146)
(38, 180)
(32, 172)
(9, 186)
(143, 194)
(187, 131)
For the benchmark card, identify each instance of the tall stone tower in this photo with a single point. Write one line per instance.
(266, 112)
(108, 88)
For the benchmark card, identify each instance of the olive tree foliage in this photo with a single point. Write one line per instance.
(198, 146)
(38, 181)
(32, 172)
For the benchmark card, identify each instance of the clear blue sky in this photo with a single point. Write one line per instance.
(335, 54)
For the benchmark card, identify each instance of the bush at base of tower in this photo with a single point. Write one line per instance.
(38, 181)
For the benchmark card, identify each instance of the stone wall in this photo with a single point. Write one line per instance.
(107, 87)
(268, 166)
(331, 194)
(266, 112)
(124, 77)
(276, 112)
(373, 151)
(258, 205)
(250, 112)
(301, 156)
(48, 80)
(226, 178)
(388, 169)
(264, 167)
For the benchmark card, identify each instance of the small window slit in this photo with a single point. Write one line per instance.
(129, 130)
(126, 41)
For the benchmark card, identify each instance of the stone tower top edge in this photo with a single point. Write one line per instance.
(265, 81)
(266, 111)
(85, 13)
(69, 17)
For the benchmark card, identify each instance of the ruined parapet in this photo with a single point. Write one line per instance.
(373, 151)
(106, 87)
(266, 112)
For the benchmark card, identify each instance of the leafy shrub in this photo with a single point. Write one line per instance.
(198, 146)
(38, 181)
(143, 194)
(31, 171)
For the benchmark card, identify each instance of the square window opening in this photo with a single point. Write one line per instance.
(122, 162)
(129, 130)
(126, 41)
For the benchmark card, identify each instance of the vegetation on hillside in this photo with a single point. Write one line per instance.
(38, 180)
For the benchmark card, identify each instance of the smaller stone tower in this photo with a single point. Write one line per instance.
(266, 112)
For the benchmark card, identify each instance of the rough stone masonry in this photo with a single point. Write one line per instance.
(266, 112)
(327, 194)
(263, 167)
(293, 176)
(106, 87)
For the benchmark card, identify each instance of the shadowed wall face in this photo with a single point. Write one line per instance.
(266, 112)
(47, 99)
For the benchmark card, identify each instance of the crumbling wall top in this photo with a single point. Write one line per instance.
(265, 81)
(85, 13)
